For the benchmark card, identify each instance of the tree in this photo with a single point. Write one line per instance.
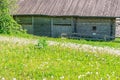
(13, 6)
(7, 23)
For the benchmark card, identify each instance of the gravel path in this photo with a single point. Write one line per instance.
(85, 47)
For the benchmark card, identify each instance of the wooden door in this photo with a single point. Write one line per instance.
(57, 30)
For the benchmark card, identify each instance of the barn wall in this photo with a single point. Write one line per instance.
(86, 27)
(117, 27)
(26, 22)
(42, 26)
(117, 30)
(24, 19)
(113, 28)
(56, 26)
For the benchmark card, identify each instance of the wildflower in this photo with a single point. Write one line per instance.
(117, 78)
(52, 76)
(47, 66)
(46, 63)
(62, 77)
(113, 73)
(44, 79)
(88, 73)
(97, 73)
(14, 78)
(103, 59)
(101, 79)
(3, 78)
(79, 76)
(108, 76)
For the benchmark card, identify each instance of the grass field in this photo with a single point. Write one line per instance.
(25, 62)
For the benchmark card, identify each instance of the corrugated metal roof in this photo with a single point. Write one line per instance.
(106, 8)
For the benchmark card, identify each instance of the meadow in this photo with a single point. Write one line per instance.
(26, 62)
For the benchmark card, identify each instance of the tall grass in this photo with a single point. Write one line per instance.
(25, 62)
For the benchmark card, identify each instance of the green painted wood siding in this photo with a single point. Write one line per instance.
(103, 27)
(42, 26)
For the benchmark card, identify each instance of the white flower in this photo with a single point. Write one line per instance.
(101, 79)
(88, 73)
(108, 76)
(14, 78)
(113, 73)
(3, 78)
(97, 73)
(44, 79)
(62, 77)
(79, 76)
(52, 76)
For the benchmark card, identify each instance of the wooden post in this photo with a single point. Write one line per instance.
(33, 23)
(75, 25)
(51, 27)
(105, 37)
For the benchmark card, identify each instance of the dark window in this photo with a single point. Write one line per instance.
(64, 18)
(94, 28)
(62, 24)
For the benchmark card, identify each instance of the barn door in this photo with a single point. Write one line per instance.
(57, 30)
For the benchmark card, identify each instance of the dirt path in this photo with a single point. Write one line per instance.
(85, 47)
(21, 41)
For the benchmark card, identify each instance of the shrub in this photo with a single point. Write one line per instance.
(42, 43)
(7, 24)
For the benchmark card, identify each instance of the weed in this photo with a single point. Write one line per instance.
(42, 43)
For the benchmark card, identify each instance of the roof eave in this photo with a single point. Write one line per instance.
(65, 16)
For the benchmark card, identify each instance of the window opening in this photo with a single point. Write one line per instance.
(94, 28)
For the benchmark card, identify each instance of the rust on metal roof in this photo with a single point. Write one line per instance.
(107, 8)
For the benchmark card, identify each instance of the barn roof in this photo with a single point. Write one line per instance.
(105, 8)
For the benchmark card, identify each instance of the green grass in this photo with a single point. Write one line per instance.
(21, 35)
(56, 63)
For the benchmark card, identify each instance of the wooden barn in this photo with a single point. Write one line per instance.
(90, 19)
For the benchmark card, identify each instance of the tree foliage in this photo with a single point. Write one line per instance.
(7, 23)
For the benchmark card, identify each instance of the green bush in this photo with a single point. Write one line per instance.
(42, 43)
(7, 24)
